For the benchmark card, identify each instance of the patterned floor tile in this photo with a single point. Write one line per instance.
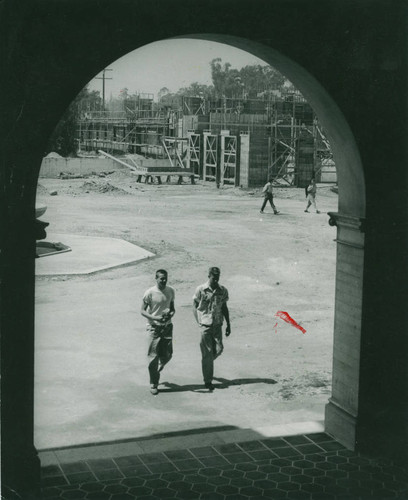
(309, 467)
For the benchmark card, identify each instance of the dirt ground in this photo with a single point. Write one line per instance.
(91, 372)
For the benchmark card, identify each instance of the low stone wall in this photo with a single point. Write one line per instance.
(52, 167)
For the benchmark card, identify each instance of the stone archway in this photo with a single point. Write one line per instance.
(342, 410)
(357, 53)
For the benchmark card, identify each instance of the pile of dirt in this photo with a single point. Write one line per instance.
(97, 187)
(65, 176)
(69, 176)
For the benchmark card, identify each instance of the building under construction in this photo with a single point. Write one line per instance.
(241, 142)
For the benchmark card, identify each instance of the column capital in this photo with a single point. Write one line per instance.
(350, 229)
(347, 221)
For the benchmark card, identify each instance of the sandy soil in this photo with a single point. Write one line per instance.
(91, 374)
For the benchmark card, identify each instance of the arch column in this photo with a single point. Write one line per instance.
(383, 403)
(342, 409)
(20, 465)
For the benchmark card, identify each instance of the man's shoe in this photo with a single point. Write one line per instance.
(277, 212)
(261, 211)
(209, 386)
(154, 390)
(307, 211)
(318, 211)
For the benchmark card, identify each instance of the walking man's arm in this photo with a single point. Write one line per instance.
(195, 305)
(225, 313)
(172, 311)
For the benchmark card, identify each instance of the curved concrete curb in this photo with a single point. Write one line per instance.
(89, 254)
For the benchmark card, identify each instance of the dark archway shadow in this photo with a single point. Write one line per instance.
(223, 383)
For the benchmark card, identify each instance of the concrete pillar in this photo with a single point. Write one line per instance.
(244, 160)
(221, 165)
(342, 409)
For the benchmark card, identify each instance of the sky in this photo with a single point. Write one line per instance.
(169, 63)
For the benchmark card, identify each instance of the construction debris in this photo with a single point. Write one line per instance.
(66, 176)
(101, 188)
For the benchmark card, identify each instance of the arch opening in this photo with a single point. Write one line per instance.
(349, 171)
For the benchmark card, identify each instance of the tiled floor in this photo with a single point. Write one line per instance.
(311, 466)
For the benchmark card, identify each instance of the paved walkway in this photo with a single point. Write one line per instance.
(88, 255)
(304, 466)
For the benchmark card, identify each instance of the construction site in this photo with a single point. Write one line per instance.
(101, 212)
(229, 141)
(92, 382)
(177, 185)
(115, 217)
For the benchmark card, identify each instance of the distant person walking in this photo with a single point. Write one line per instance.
(311, 195)
(158, 309)
(210, 309)
(267, 192)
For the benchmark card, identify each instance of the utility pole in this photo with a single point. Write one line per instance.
(103, 78)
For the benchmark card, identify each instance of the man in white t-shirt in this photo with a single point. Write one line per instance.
(158, 309)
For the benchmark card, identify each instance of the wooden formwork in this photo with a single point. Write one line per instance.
(194, 152)
(210, 157)
(228, 159)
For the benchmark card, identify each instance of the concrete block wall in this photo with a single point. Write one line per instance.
(258, 159)
(52, 167)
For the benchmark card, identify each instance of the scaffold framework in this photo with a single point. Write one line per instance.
(286, 142)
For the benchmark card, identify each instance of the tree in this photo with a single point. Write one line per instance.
(64, 138)
(261, 79)
(224, 78)
(163, 91)
(196, 89)
(89, 100)
(249, 81)
(124, 94)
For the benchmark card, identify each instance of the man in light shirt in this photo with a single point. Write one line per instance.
(311, 195)
(158, 309)
(267, 192)
(210, 309)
